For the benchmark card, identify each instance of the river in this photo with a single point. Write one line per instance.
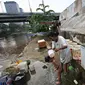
(13, 44)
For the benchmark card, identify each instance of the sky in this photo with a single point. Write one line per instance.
(56, 5)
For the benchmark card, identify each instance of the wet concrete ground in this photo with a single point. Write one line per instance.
(42, 76)
(48, 76)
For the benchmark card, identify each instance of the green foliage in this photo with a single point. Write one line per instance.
(6, 30)
(43, 7)
(36, 19)
(35, 23)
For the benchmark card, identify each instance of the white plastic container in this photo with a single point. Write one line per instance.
(23, 66)
(39, 41)
(51, 53)
(75, 81)
(73, 43)
(67, 40)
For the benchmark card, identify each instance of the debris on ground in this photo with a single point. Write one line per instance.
(44, 67)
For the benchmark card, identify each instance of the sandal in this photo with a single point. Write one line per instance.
(58, 82)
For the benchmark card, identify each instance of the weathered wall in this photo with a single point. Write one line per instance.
(83, 6)
(71, 10)
(77, 7)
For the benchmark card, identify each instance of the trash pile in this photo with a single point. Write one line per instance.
(16, 74)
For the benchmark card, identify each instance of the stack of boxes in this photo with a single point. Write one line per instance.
(42, 43)
(75, 49)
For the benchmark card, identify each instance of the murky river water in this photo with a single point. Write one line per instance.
(13, 44)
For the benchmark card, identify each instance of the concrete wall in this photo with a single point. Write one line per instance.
(73, 9)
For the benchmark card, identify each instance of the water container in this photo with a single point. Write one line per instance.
(51, 53)
(23, 66)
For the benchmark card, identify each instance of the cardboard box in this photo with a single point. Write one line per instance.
(41, 43)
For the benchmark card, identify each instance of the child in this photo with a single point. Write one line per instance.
(60, 44)
(57, 66)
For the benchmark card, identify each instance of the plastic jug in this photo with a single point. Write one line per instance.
(23, 66)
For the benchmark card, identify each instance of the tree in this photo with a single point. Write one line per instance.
(36, 19)
(4, 30)
(35, 23)
(43, 7)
